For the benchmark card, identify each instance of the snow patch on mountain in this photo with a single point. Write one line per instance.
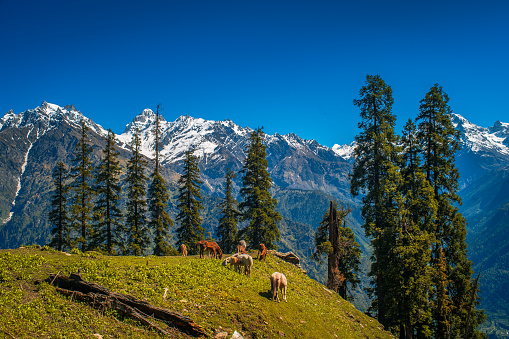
(23, 167)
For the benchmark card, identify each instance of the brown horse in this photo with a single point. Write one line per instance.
(183, 250)
(209, 246)
(212, 246)
(262, 252)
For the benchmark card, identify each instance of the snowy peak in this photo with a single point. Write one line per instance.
(180, 135)
(345, 151)
(492, 140)
(48, 116)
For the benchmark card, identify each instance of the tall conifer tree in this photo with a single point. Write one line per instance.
(258, 207)
(189, 204)
(109, 231)
(136, 218)
(440, 141)
(227, 228)
(81, 201)
(414, 242)
(160, 221)
(58, 216)
(376, 176)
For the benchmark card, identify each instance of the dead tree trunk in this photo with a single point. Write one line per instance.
(336, 279)
(332, 267)
(100, 297)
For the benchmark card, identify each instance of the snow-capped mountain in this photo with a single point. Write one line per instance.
(345, 151)
(293, 161)
(46, 117)
(482, 148)
(31, 144)
(491, 140)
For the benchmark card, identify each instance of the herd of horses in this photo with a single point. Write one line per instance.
(241, 259)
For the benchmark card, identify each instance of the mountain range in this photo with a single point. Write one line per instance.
(306, 176)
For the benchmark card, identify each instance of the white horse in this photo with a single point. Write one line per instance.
(278, 282)
(239, 260)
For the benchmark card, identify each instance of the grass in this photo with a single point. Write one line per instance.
(217, 298)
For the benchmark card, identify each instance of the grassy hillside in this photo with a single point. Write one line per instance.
(217, 298)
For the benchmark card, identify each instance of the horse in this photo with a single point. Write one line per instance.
(262, 252)
(183, 250)
(278, 282)
(233, 260)
(240, 260)
(212, 246)
(209, 246)
(202, 245)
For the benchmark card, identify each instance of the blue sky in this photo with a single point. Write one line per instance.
(290, 66)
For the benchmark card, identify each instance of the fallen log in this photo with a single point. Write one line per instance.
(100, 297)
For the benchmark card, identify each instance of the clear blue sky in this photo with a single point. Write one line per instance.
(290, 66)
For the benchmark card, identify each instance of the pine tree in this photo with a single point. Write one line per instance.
(258, 207)
(189, 204)
(337, 242)
(414, 242)
(136, 219)
(108, 229)
(227, 228)
(440, 141)
(81, 201)
(58, 215)
(376, 175)
(160, 221)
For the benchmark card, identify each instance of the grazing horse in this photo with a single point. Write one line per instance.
(240, 260)
(233, 260)
(262, 252)
(212, 246)
(209, 246)
(183, 250)
(278, 282)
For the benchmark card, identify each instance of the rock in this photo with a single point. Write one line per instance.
(289, 257)
(237, 335)
(220, 335)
